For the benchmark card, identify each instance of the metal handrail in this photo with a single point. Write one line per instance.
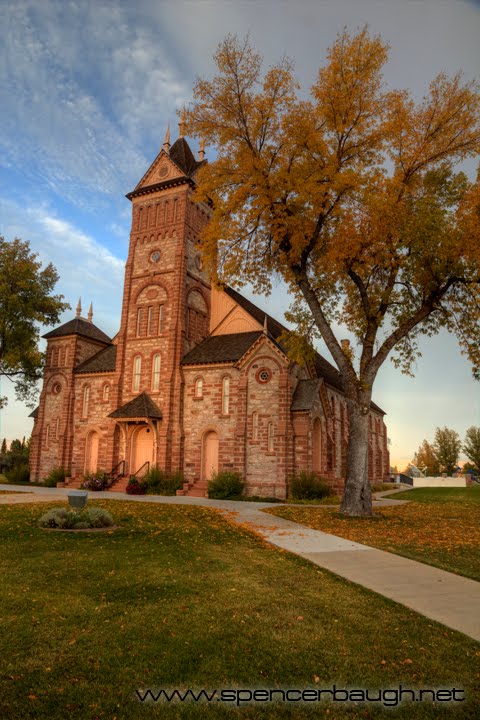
(145, 467)
(115, 473)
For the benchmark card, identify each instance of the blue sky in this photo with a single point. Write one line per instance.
(87, 89)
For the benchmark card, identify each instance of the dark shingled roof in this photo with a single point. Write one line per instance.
(182, 156)
(140, 407)
(305, 394)
(34, 413)
(221, 348)
(79, 326)
(103, 361)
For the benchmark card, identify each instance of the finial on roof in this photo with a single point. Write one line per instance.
(79, 307)
(201, 152)
(181, 125)
(166, 142)
(265, 328)
(90, 313)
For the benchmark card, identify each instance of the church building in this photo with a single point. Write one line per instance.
(196, 378)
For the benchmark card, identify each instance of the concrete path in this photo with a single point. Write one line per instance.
(445, 597)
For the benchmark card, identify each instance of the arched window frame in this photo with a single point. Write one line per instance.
(156, 370)
(137, 372)
(150, 320)
(271, 437)
(139, 321)
(255, 426)
(226, 395)
(86, 401)
(198, 392)
(47, 436)
(106, 392)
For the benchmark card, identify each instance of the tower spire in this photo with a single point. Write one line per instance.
(79, 308)
(90, 313)
(181, 125)
(166, 142)
(201, 152)
(265, 328)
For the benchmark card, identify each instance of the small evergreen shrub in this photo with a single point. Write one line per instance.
(159, 482)
(135, 487)
(18, 474)
(308, 486)
(225, 485)
(57, 474)
(67, 519)
(94, 481)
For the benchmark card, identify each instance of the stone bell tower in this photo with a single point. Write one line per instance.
(165, 310)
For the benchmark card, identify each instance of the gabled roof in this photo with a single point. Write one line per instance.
(182, 156)
(221, 348)
(140, 407)
(305, 394)
(79, 326)
(103, 361)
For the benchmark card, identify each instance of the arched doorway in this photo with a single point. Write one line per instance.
(142, 450)
(209, 455)
(317, 445)
(91, 452)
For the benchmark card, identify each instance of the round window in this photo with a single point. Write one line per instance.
(163, 171)
(264, 375)
(56, 388)
(155, 256)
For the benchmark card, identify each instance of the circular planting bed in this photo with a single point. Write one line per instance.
(72, 520)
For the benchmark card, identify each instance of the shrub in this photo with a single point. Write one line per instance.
(308, 486)
(57, 474)
(67, 519)
(159, 482)
(94, 481)
(224, 485)
(135, 487)
(18, 474)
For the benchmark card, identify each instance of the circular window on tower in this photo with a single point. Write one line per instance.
(56, 388)
(264, 375)
(155, 256)
(163, 171)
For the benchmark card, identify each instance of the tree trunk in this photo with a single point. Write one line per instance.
(357, 498)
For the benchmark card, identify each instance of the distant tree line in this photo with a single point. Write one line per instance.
(14, 461)
(443, 454)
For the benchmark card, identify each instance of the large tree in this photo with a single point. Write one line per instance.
(447, 446)
(471, 446)
(352, 199)
(26, 301)
(426, 460)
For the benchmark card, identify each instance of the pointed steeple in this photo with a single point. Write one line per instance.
(166, 142)
(201, 152)
(265, 328)
(181, 125)
(79, 308)
(90, 313)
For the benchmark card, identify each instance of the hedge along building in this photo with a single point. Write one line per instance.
(197, 378)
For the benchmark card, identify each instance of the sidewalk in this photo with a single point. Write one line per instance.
(445, 597)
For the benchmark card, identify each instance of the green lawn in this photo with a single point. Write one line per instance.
(179, 598)
(470, 495)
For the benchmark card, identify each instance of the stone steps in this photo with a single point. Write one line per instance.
(195, 489)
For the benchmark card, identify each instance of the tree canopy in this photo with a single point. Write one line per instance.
(471, 447)
(426, 460)
(447, 446)
(26, 301)
(352, 197)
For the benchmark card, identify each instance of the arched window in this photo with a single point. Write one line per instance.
(255, 426)
(66, 356)
(271, 438)
(150, 321)
(139, 321)
(156, 362)
(57, 429)
(199, 388)
(54, 357)
(226, 396)
(86, 400)
(106, 392)
(47, 435)
(161, 317)
(60, 355)
(137, 369)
